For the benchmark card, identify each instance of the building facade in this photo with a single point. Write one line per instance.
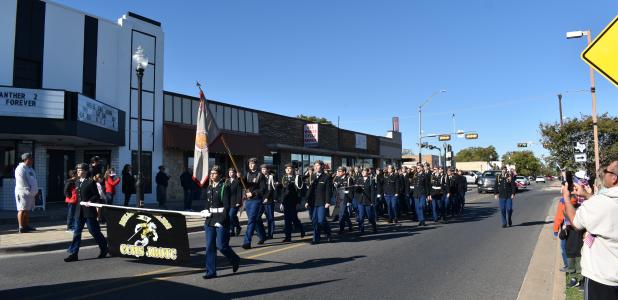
(68, 92)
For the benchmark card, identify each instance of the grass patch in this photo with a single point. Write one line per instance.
(573, 293)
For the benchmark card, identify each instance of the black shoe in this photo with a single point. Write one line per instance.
(340, 232)
(22, 230)
(70, 258)
(30, 228)
(235, 268)
(396, 221)
(329, 239)
(314, 243)
(302, 234)
(261, 242)
(504, 226)
(209, 276)
(375, 230)
(103, 254)
(390, 221)
(287, 240)
(246, 246)
(510, 223)
(238, 229)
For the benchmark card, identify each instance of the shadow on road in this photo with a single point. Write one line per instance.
(534, 223)
(474, 213)
(141, 287)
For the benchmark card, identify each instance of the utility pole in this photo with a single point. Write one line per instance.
(560, 108)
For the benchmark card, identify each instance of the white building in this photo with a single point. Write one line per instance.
(68, 92)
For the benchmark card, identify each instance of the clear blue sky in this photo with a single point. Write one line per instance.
(502, 62)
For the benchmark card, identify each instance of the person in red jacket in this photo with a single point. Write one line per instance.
(111, 181)
(70, 199)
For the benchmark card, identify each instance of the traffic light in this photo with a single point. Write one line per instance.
(522, 145)
(472, 136)
(444, 137)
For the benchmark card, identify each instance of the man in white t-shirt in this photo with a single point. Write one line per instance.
(598, 216)
(26, 190)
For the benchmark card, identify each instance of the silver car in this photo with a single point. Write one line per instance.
(487, 181)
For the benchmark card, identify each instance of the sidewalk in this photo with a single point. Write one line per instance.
(54, 237)
(543, 280)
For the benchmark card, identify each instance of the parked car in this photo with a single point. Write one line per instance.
(487, 181)
(471, 176)
(540, 179)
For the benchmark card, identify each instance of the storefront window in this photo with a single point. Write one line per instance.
(7, 160)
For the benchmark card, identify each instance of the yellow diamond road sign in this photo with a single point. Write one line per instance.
(603, 52)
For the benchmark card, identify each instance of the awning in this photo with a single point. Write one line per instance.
(182, 137)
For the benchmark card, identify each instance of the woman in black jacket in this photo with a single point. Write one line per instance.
(128, 184)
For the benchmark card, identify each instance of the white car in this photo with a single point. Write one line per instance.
(540, 179)
(470, 176)
(522, 182)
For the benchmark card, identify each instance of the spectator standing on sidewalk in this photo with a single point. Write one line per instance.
(70, 199)
(599, 255)
(26, 190)
(162, 179)
(128, 184)
(188, 186)
(559, 224)
(111, 181)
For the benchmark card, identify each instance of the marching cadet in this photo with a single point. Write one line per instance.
(438, 188)
(504, 191)
(463, 188)
(422, 186)
(268, 206)
(256, 189)
(292, 185)
(87, 192)
(355, 177)
(318, 201)
(379, 183)
(452, 191)
(217, 223)
(236, 201)
(343, 185)
(365, 190)
(390, 187)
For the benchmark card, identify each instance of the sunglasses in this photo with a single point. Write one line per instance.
(606, 171)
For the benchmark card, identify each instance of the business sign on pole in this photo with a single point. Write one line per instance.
(311, 135)
(580, 157)
(147, 235)
(361, 141)
(601, 54)
(96, 113)
(31, 103)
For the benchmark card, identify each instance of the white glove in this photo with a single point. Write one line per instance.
(218, 225)
(348, 204)
(281, 207)
(205, 213)
(379, 196)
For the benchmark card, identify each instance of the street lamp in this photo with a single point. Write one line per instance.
(420, 124)
(579, 34)
(141, 62)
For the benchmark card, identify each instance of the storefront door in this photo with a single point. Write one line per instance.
(59, 163)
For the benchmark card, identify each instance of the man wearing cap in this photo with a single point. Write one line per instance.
(318, 201)
(256, 189)
(87, 192)
(268, 205)
(26, 190)
(291, 186)
(504, 191)
(390, 187)
(343, 184)
(365, 190)
(217, 223)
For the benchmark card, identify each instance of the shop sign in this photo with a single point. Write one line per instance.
(31, 103)
(96, 113)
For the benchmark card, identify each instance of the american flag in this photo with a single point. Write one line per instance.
(589, 239)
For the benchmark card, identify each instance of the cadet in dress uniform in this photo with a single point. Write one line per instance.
(268, 205)
(236, 201)
(438, 188)
(452, 191)
(86, 191)
(381, 207)
(390, 187)
(291, 187)
(422, 186)
(365, 190)
(504, 191)
(256, 189)
(318, 201)
(217, 223)
(343, 185)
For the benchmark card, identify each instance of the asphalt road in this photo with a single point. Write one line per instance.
(472, 257)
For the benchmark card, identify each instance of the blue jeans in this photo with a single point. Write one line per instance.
(71, 216)
(411, 206)
(318, 221)
(565, 260)
(355, 208)
(254, 220)
(366, 211)
(506, 208)
(218, 238)
(391, 202)
(435, 207)
(420, 208)
(234, 222)
(269, 211)
(344, 216)
(93, 228)
(290, 219)
(444, 202)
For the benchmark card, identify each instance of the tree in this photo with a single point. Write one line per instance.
(477, 154)
(314, 119)
(525, 162)
(560, 141)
